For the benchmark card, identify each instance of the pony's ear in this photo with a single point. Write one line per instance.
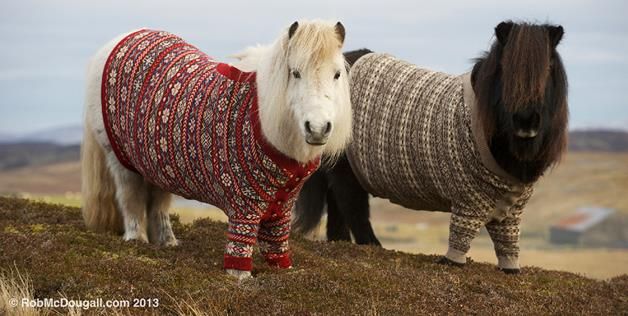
(340, 31)
(292, 29)
(502, 30)
(555, 34)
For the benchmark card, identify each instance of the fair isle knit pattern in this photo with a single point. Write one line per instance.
(414, 143)
(190, 125)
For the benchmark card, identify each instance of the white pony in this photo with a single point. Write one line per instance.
(162, 117)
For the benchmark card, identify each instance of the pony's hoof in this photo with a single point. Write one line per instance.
(239, 274)
(510, 271)
(171, 242)
(448, 262)
(135, 236)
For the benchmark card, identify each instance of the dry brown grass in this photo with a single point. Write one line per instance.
(13, 287)
(51, 245)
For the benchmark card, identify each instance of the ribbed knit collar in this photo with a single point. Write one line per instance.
(480, 138)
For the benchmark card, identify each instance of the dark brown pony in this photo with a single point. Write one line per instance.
(521, 91)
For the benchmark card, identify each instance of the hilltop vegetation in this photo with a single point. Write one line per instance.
(49, 244)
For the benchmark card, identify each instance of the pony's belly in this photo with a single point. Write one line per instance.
(440, 206)
(403, 189)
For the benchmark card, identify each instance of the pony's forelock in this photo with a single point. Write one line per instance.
(525, 65)
(313, 42)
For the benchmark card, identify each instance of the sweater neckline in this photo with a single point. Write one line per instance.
(478, 134)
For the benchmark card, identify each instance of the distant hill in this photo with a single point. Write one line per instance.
(29, 154)
(63, 135)
(598, 140)
(7, 137)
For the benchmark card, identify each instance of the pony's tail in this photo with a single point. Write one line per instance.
(98, 190)
(310, 205)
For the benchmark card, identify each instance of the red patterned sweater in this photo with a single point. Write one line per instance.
(190, 125)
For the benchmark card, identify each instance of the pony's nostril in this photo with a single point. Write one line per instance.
(526, 120)
(535, 121)
(327, 128)
(308, 129)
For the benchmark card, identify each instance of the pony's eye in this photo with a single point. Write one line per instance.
(296, 74)
(337, 75)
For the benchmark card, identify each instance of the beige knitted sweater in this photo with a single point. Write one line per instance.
(416, 141)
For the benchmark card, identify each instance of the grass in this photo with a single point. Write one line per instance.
(14, 285)
(49, 243)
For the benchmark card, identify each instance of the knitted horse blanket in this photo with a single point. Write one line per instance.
(190, 125)
(416, 141)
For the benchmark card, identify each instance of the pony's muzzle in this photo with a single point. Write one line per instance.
(526, 123)
(317, 135)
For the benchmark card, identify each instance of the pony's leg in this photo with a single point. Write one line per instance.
(242, 235)
(131, 195)
(505, 236)
(159, 227)
(353, 202)
(464, 226)
(337, 229)
(273, 241)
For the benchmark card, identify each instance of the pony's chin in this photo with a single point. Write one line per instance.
(525, 149)
(316, 144)
(315, 140)
(309, 152)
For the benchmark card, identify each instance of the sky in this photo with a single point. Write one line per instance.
(45, 45)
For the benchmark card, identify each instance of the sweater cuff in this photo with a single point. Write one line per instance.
(456, 255)
(508, 262)
(279, 260)
(238, 263)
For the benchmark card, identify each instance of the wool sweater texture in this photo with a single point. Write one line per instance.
(190, 125)
(416, 141)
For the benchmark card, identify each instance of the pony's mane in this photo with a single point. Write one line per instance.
(312, 43)
(523, 63)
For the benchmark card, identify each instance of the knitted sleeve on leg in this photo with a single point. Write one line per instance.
(242, 235)
(273, 241)
(464, 226)
(505, 233)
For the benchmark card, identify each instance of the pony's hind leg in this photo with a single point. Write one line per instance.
(159, 226)
(337, 229)
(352, 201)
(131, 195)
